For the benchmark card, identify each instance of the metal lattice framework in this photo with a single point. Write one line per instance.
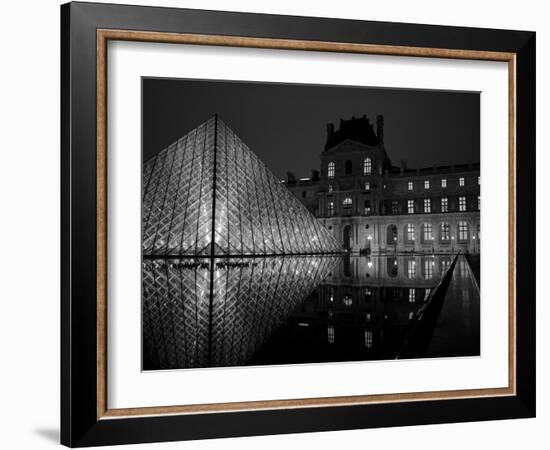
(188, 324)
(208, 194)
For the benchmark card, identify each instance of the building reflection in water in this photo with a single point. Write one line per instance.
(295, 309)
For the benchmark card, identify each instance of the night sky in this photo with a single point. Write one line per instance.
(285, 124)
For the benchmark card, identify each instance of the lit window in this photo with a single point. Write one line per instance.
(462, 203)
(410, 185)
(330, 209)
(367, 186)
(347, 203)
(330, 334)
(428, 269)
(461, 181)
(410, 232)
(412, 294)
(347, 300)
(427, 205)
(463, 231)
(410, 206)
(427, 184)
(445, 231)
(331, 166)
(368, 295)
(368, 338)
(428, 291)
(444, 182)
(478, 180)
(395, 207)
(367, 166)
(478, 202)
(428, 232)
(367, 207)
(330, 187)
(411, 269)
(444, 204)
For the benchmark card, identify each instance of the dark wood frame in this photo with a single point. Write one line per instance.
(85, 418)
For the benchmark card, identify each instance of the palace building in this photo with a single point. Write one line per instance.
(373, 206)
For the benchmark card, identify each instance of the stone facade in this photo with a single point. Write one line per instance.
(372, 206)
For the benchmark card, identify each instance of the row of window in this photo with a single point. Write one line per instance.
(444, 205)
(461, 183)
(463, 232)
(367, 170)
(347, 204)
(348, 167)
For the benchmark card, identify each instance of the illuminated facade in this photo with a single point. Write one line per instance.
(373, 206)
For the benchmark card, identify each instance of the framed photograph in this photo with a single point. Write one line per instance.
(273, 224)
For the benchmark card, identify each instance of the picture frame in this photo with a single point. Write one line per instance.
(86, 418)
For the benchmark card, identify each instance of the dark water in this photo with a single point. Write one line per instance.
(299, 309)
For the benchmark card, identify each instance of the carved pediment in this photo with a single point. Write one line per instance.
(349, 145)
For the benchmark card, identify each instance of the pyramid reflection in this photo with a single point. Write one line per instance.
(208, 194)
(205, 312)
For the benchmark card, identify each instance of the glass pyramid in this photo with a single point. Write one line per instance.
(188, 325)
(208, 194)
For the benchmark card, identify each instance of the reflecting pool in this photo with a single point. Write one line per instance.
(201, 312)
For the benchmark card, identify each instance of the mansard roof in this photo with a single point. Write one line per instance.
(356, 129)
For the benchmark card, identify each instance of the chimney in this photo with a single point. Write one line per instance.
(314, 175)
(380, 130)
(290, 178)
(403, 165)
(330, 129)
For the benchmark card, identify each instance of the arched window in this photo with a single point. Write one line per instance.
(463, 231)
(411, 232)
(427, 232)
(391, 235)
(367, 166)
(411, 270)
(391, 266)
(331, 169)
(348, 167)
(428, 267)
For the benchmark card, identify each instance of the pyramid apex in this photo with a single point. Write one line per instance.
(199, 209)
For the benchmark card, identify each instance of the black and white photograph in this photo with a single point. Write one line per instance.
(300, 224)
